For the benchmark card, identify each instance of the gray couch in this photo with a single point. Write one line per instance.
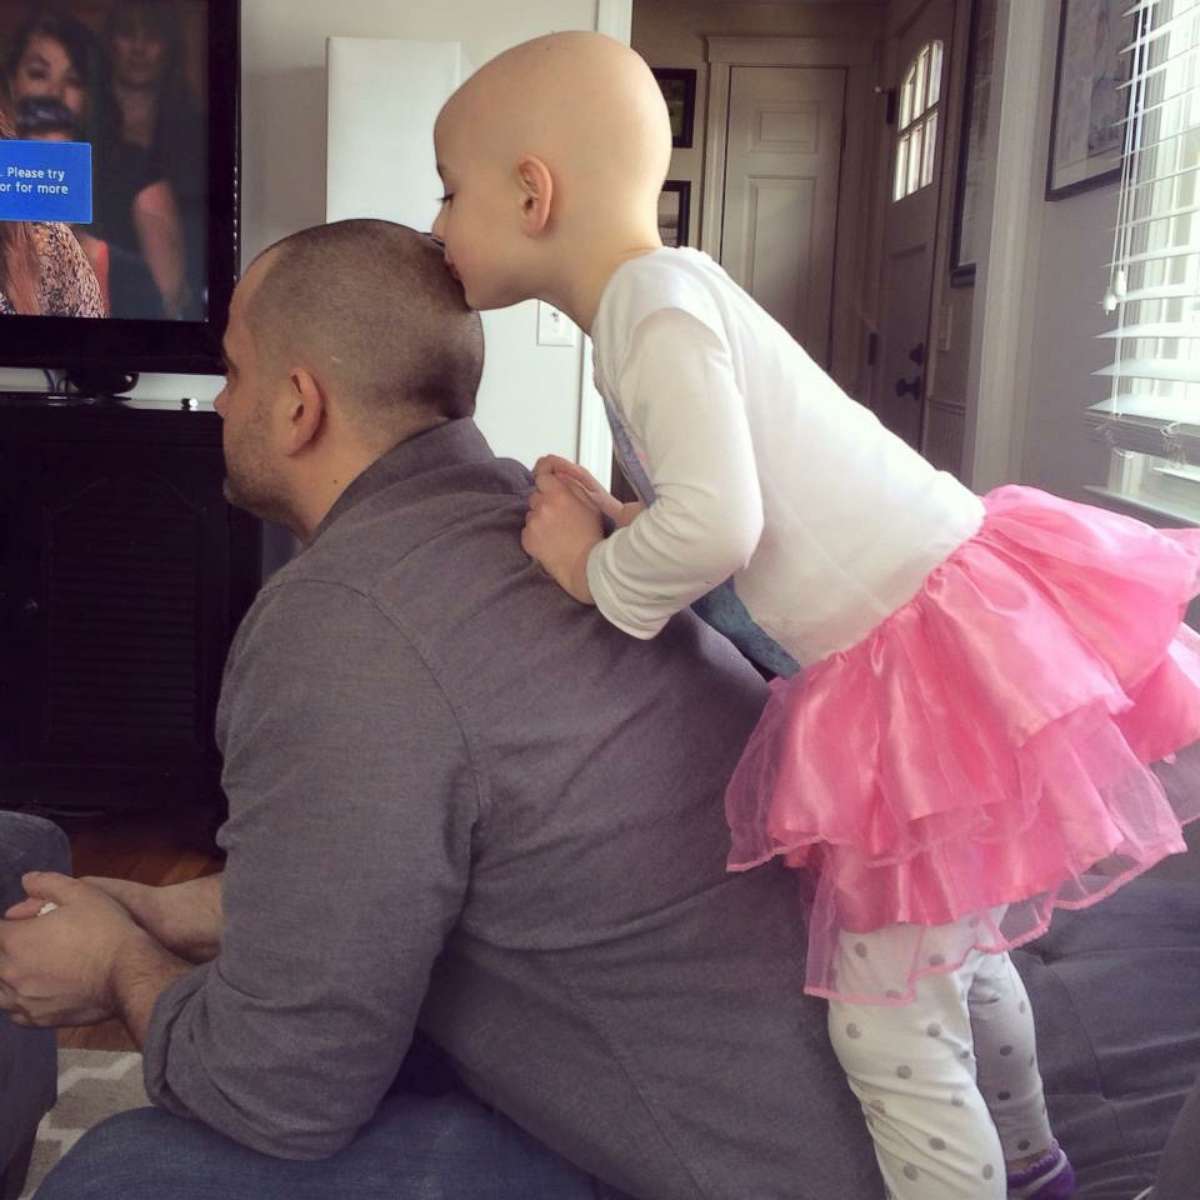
(1116, 991)
(28, 1069)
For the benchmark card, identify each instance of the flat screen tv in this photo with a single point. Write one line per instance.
(118, 185)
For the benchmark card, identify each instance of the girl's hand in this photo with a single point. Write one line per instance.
(561, 528)
(583, 482)
(628, 513)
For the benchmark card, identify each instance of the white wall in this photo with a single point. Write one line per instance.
(530, 399)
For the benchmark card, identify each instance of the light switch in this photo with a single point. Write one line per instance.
(555, 328)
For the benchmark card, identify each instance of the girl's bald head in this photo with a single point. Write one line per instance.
(553, 156)
(369, 308)
(586, 104)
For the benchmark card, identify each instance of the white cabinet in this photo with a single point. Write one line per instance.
(384, 95)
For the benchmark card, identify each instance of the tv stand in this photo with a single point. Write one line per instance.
(123, 577)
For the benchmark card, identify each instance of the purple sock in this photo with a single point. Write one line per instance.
(1050, 1178)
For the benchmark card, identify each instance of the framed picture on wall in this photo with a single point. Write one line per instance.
(964, 252)
(1086, 132)
(679, 91)
(674, 212)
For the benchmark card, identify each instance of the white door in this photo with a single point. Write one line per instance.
(916, 137)
(782, 166)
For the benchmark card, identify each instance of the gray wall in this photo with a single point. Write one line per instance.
(1076, 243)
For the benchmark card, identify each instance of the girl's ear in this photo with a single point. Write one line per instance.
(537, 194)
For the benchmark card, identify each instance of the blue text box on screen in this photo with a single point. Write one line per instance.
(46, 181)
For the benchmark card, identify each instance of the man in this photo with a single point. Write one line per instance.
(460, 804)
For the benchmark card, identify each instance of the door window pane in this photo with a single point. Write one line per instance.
(931, 132)
(935, 74)
(914, 160)
(906, 98)
(900, 190)
(916, 143)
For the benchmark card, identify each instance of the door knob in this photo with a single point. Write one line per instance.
(917, 354)
(909, 387)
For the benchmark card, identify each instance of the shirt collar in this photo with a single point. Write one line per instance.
(451, 444)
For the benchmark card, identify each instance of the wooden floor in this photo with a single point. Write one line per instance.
(147, 850)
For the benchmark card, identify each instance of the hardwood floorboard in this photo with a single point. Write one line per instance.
(145, 849)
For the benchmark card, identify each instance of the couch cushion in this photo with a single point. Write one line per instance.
(1116, 993)
(28, 843)
(28, 1073)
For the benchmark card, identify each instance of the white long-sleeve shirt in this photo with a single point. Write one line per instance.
(762, 478)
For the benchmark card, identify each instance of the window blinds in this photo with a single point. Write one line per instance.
(1154, 277)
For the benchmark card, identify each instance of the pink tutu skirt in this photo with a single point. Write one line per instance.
(1021, 735)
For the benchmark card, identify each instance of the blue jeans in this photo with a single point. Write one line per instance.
(448, 1147)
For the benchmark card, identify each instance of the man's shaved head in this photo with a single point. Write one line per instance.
(370, 310)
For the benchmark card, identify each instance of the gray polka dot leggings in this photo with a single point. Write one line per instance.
(949, 1084)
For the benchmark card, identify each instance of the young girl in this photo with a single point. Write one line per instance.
(983, 706)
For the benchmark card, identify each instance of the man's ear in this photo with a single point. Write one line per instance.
(537, 194)
(304, 412)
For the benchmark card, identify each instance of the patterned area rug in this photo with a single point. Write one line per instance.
(92, 1085)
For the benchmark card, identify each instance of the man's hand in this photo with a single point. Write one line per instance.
(560, 530)
(186, 918)
(80, 963)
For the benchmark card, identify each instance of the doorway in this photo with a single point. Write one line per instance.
(782, 176)
(920, 55)
(786, 198)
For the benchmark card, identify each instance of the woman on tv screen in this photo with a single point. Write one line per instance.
(159, 115)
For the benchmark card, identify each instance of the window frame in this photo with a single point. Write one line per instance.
(1151, 419)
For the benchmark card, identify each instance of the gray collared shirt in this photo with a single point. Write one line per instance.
(460, 801)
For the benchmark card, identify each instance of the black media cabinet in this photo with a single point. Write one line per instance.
(123, 577)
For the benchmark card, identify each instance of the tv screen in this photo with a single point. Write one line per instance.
(118, 182)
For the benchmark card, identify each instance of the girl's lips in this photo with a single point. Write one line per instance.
(450, 267)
